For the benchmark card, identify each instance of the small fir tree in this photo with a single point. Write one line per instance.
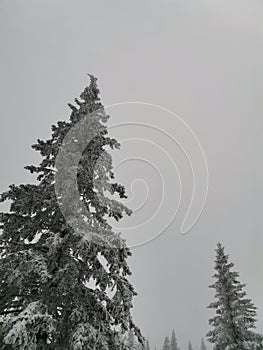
(174, 345)
(166, 344)
(235, 314)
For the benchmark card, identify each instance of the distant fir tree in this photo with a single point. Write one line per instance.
(190, 346)
(174, 345)
(166, 344)
(46, 265)
(202, 346)
(235, 314)
(147, 345)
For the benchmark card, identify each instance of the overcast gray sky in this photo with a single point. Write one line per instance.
(200, 59)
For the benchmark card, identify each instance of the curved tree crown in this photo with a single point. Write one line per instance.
(47, 263)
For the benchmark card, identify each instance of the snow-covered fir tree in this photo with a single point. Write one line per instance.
(190, 346)
(47, 301)
(203, 346)
(232, 327)
(174, 345)
(166, 344)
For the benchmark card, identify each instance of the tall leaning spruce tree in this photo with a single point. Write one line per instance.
(63, 272)
(232, 327)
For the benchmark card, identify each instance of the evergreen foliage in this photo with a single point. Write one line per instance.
(174, 345)
(131, 343)
(47, 266)
(166, 344)
(235, 314)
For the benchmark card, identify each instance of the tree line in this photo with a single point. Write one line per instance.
(170, 343)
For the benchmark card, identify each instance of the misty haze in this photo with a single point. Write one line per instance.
(135, 220)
